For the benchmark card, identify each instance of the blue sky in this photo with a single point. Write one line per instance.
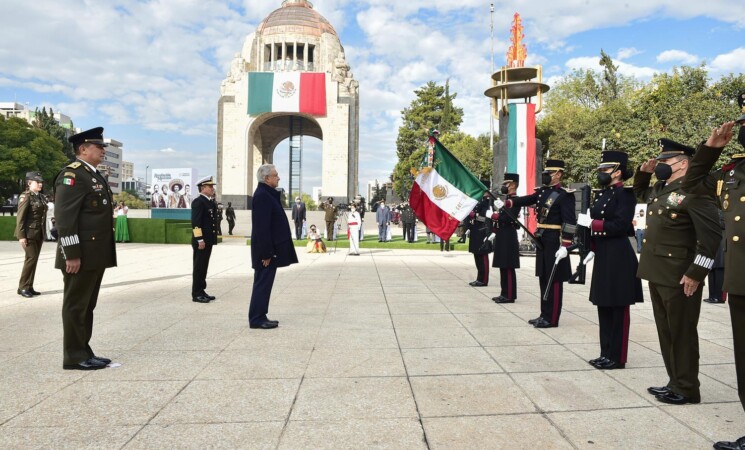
(149, 71)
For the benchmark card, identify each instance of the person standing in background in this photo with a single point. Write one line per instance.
(50, 218)
(354, 222)
(298, 217)
(640, 224)
(330, 217)
(204, 229)
(383, 219)
(30, 223)
(122, 229)
(230, 216)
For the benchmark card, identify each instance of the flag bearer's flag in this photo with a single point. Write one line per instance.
(444, 191)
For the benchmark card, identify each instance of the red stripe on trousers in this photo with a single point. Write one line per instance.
(555, 312)
(486, 269)
(625, 338)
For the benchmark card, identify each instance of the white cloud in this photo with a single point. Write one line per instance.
(733, 61)
(626, 53)
(672, 56)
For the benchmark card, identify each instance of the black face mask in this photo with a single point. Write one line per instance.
(504, 189)
(604, 179)
(741, 135)
(546, 178)
(663, 171)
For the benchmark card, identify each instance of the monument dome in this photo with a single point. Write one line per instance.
(296, 17)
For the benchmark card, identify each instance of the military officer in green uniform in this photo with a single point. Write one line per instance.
(85, 223)
(728, 184)
(680, 244)
(30, 230)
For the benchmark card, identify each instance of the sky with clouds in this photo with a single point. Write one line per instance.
(149, 71)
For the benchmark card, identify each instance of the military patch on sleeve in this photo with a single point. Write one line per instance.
(68, 181)
(74, 165)
(21, 198)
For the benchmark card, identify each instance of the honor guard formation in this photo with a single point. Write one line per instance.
(692, 224)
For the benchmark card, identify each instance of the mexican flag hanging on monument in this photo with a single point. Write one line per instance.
(298, 92)
(444, 191)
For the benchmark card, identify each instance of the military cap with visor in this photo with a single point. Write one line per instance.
(92, 136)
(612, 159)
(553, 165)
(511, 178)
(671, 149)
(34, 176)
(206, 181)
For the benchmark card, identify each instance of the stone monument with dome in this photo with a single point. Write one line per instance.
(291, 79)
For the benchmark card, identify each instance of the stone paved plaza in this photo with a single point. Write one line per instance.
(391, 349)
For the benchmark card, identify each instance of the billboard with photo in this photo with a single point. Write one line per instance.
(172, 188)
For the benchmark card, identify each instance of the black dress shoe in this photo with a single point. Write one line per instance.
(25, 293)
(89, 364)
(210, 297)
(102, 359)
(534, 321)
(265, 325)
(200, 299)
(478, 284)
(472, 283)
(725, 445)
(675, 399)
(713, 300)
(502, 299)
(609, 365)
(597, 360)
(543, 323)
(658, 390)
(33, 292)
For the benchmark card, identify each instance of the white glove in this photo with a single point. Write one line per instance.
(584, 220)
(492, 237)
(590, 256)
(561, 253)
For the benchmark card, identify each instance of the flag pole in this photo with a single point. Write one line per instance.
(491, 58)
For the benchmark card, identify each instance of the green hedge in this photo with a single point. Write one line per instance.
(7, 227)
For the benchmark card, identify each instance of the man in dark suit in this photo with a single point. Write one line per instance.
(682, 238)
(230, 215)
(271, 245)
(84, 213)
(204, 236)
(298, 216)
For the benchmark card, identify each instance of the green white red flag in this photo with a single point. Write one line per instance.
(444, 191)
(298, 92)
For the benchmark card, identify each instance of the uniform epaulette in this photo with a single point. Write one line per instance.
(630, 188)
(74, 164)
(569, 191)
(738, 156)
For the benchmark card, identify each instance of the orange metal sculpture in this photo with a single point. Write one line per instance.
(517, 52)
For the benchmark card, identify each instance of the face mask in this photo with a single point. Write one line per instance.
(604, 179)
(741, 135)
(504, 189)
(663, 171)
(546, 179)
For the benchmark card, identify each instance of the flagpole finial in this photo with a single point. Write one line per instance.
(433, 132)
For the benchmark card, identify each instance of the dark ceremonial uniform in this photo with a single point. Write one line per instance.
(480, 227)
(83, 209)
(204, 228)
(716, 276)
(614, 283)
(30, 225)
(329, 218)
(728, 184)
(554, 209)
(218, 222)
(507, 247)
(682, 238)
(408, 219)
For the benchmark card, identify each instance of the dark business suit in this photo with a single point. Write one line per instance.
(298, 216)
(204, 226)
(270, 239)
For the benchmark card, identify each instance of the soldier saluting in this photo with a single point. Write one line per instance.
(728, 183)
(85, 223)
(555, 209)
(680, 244)
(30, 230)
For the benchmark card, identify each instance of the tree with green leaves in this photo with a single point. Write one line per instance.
(432, 108)
(46, 121)
(26, 149)
(132, 201)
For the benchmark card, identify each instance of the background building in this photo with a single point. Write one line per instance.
(112, 164)
(128, 170)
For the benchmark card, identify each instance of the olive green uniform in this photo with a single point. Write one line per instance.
(728, 184)
(681, 238)
(30, 225)
(84, 214)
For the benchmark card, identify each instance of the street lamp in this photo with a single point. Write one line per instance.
(147, 198)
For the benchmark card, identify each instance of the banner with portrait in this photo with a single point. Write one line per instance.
(172, 188)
